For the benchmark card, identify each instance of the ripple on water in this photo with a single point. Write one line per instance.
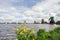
(7, 32)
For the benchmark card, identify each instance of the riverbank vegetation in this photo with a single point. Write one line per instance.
(29, 34)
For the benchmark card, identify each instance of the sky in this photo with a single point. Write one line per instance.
(29, 10)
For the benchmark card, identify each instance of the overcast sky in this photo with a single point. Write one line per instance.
(30, 10)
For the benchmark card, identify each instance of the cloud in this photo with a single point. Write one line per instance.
(44, 10)
(30, 10)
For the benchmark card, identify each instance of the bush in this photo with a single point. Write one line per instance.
(29, 34)
(25, 33)
(55, 34)
(41, 35)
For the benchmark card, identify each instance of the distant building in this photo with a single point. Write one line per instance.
(58, 22)
(46, 22)
(42, 21)
(36, 22)
(24, 22)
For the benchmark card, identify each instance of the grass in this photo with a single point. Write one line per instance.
(29, 34)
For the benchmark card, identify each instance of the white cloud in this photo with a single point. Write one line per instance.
(41, 10)
(44, 10)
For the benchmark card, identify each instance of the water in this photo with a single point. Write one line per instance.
(7, 32)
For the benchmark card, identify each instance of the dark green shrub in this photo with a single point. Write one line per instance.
(55, 34)
(41, 35)
(51, 35)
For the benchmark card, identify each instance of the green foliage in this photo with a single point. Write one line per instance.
(41, 35)
(51, 35)
(55, 34)
(25, 33)
(29, 34)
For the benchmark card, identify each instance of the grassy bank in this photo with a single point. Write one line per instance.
(29, 34)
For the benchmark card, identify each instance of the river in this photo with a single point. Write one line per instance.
(7, 32)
